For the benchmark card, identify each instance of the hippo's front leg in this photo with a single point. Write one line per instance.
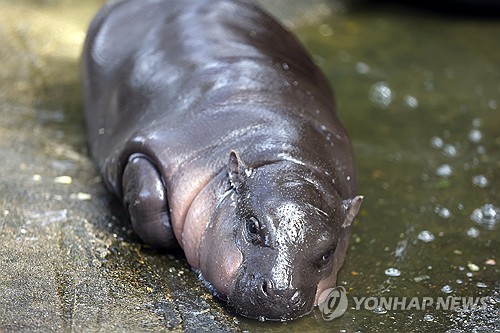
(145, 198)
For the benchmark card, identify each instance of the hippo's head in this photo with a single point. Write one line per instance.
(277, 239)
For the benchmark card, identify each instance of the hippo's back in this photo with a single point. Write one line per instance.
(186, 81)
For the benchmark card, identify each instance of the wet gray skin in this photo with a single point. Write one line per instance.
(218, 133)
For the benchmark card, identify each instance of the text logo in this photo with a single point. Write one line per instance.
(333, 303)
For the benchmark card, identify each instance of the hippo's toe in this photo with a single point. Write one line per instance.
(145, 198)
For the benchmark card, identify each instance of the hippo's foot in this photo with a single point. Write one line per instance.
(145, 199)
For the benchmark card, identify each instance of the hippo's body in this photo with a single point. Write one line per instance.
(215, 128)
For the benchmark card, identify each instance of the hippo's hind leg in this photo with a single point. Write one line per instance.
(145, 198)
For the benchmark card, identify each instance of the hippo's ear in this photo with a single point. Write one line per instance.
(352, 208)
(237, 170)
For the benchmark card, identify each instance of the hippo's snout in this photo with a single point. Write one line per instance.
(269, 290)
(263, 298)
(286, 303)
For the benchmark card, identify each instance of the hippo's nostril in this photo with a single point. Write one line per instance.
(295, 297)
(264, 288)
(267, 288)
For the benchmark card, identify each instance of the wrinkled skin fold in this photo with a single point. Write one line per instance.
(219, 134)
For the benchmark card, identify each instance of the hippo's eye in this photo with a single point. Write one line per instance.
(253, 230)
(325, 258)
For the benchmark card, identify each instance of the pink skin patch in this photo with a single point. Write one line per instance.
(225, 270)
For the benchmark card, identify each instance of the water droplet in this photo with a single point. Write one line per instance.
(475, 136)
(449, 150)
(429, 85)
(421, 278)
(473, 232)
(447, 289)
(380, 310)
(487, 216)
(362, 68)
(425, 236)
(449, 73)
(380, 95)
(481, 150)
(481, 285)
(411, 102)
(344, 56)
(476, 122)
(325, 30)
(437, 142)
(428, 317)
(459, 281)
(480, 181)
(479, 90)
(285, 66)
(492, 104)
(444, 171)
(443, 212)
(392, 272)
